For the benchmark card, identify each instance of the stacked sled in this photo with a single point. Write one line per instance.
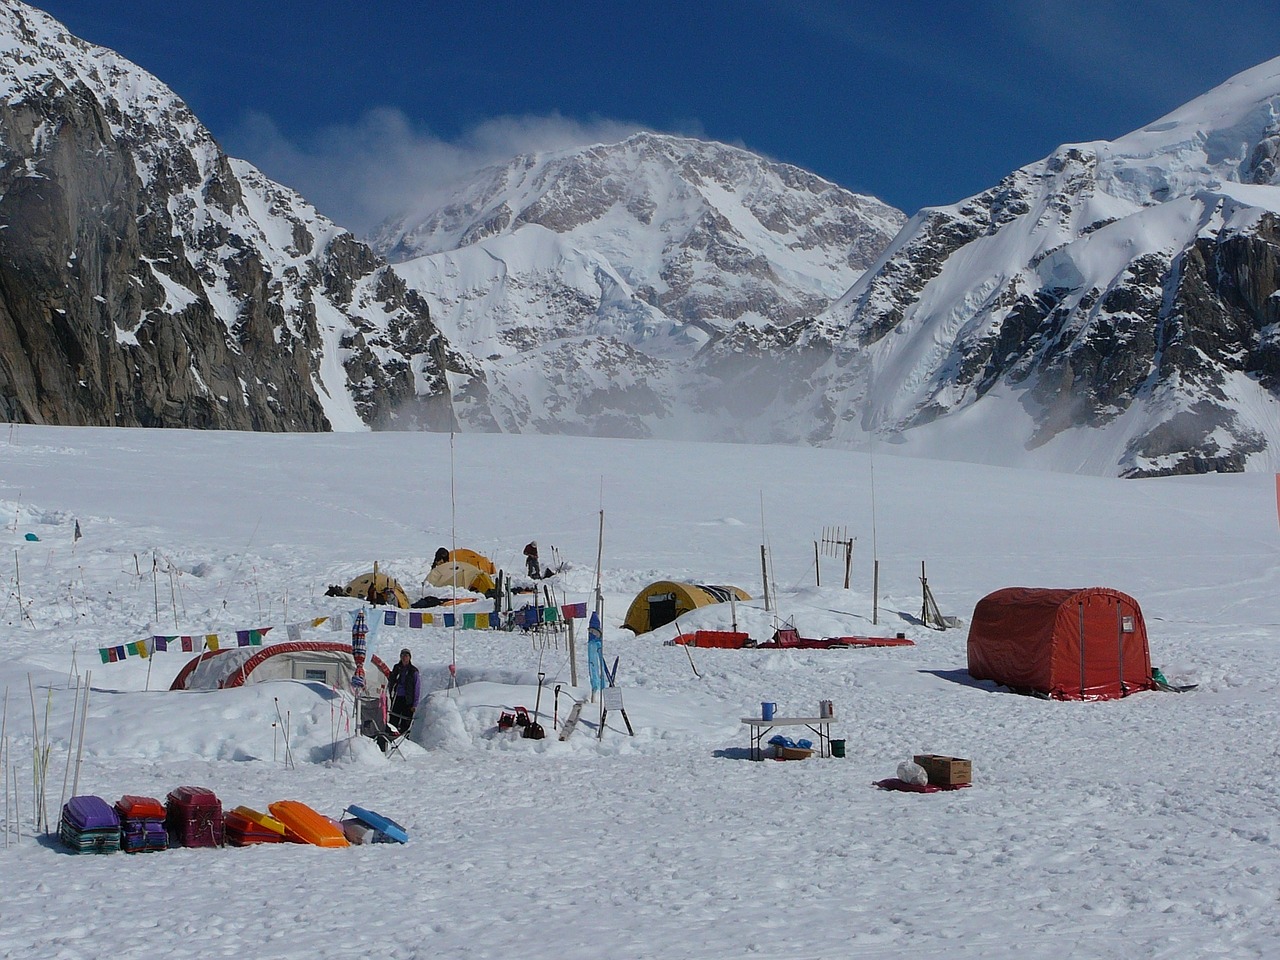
(141, 824)
(193, 817)
(89, 825)
(245, 826)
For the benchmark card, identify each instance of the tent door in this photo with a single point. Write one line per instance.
(662, 610)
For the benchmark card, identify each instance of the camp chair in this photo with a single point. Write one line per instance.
(375, 726)
(395, 741)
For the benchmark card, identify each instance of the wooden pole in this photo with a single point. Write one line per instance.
(875, 592)
(817, 566)
(764, 575)
(573, 657)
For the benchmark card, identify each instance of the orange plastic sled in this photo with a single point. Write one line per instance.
(304, 825)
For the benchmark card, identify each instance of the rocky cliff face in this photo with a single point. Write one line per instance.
(146, 279)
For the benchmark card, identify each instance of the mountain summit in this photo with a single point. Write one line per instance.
(582, 282)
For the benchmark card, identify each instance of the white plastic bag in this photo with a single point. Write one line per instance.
(909, 772)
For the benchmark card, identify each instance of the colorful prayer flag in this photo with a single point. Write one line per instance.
(482, 621)
(389, 618)
(211, 641)
(188, 643)
(415, 620)
(295, 631)
(242, 638)
(160, 643)
(105, 654)
(449, 619)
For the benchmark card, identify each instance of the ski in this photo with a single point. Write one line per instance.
(571, 721)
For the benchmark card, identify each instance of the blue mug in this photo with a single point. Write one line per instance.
(767, 710)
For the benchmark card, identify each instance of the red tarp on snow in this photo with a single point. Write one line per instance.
(1088, 644)
(789, 637)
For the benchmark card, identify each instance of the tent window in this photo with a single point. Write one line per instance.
(316, 673)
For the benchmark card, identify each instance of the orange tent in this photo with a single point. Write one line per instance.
(1088, 644)
(477, 560)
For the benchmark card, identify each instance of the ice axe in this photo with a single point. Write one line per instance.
(534, 729)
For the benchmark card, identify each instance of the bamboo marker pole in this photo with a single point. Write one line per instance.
(17, 578)
(4, 761)
(35, 746)
(84, 716)
(173, 602)
(44, 763)
(71, 742)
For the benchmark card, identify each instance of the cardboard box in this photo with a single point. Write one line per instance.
(945, 771)
(792, 753)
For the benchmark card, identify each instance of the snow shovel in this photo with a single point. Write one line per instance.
(534, 731)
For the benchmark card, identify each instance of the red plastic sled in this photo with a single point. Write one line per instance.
(893, 783)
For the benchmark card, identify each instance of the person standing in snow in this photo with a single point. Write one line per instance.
(403, 686)
(531, 560)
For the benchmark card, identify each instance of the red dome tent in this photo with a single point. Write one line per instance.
(1088, 644)
(329, 663)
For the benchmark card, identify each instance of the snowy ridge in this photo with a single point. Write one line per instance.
(1093, 287)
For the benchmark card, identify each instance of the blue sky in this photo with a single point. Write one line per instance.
(368, 108)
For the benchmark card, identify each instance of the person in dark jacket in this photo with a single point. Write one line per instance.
(442, 556)
(403, 687)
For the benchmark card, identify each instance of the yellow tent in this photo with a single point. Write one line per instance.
(382, 584)
(477, 560)
(462, 575)
(661, 602)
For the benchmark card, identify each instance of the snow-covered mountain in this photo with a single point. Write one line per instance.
(583, 282)
(148, 279)
(1111, 308)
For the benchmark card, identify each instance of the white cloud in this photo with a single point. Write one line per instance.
(383, 165)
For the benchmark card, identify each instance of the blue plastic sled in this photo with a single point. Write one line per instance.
(384, 825)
